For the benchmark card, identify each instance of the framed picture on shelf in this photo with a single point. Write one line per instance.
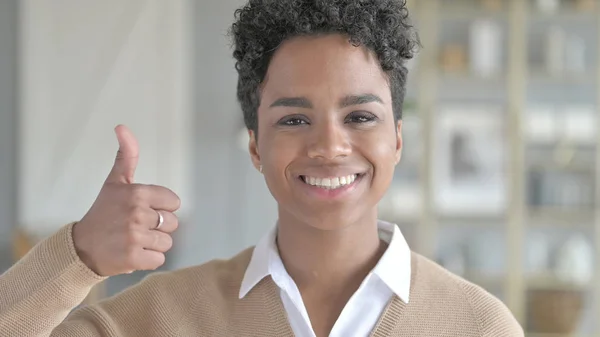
(469, 160)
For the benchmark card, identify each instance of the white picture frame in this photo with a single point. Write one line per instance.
(469, 160)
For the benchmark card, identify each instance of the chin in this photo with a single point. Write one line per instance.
(328, 220)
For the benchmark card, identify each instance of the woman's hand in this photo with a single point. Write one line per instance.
(118, 234)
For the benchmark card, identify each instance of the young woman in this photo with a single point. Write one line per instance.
(321, 85)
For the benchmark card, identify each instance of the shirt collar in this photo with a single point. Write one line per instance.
(264, 257)
(393, 268)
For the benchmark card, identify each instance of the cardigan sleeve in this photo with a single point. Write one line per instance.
(40, 290)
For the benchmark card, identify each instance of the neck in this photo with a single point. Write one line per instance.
(327, 259)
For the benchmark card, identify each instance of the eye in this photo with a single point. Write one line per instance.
(293, 121)
(360, 117)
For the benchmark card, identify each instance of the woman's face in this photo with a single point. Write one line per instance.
(327, 140)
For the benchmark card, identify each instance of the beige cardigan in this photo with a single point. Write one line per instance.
(39, 293)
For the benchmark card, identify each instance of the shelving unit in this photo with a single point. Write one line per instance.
(537, 175)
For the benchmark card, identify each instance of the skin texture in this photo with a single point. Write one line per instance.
(328, 244)
(117, 235)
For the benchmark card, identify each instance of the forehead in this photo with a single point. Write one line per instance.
(327, 66)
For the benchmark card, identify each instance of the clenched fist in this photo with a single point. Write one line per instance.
(119, 233)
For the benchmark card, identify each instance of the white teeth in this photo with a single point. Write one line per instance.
(330, 183)
(335, 182)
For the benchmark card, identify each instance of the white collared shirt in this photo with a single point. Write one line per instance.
(390, 276)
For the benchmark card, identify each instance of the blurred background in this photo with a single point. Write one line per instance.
(499, 179)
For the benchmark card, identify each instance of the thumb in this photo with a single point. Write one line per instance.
(127, 157)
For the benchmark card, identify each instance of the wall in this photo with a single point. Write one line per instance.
(232, 206)
(166, 70)
(86, 67)
(8, 115)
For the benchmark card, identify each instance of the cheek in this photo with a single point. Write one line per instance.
(277, 152)
(382, 155)
(383, 149)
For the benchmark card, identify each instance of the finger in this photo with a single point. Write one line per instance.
(157, 197)
(127, 157)
(157, 241)
(170, 222)
(149, 260)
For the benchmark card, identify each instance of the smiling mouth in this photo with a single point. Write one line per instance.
(331, 183)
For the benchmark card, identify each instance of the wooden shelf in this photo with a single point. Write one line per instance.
(520, 84)
(469, 219)
(547, 281)
(485, 280)
(457, 9)
(564, 14)
(472, 13)
(464, 76)
(551, 165)
(541, 78)
(545, 216)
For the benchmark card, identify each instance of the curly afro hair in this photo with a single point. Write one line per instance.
(261, 26)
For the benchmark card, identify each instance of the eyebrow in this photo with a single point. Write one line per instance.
(303, 102)
(295, 102)
(359, 99)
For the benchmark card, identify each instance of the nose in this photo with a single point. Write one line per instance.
(329, 140)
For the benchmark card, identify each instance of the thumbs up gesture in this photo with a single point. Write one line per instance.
(129, 225)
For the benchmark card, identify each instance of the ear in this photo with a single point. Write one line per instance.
(253, 149)
(398, 141)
